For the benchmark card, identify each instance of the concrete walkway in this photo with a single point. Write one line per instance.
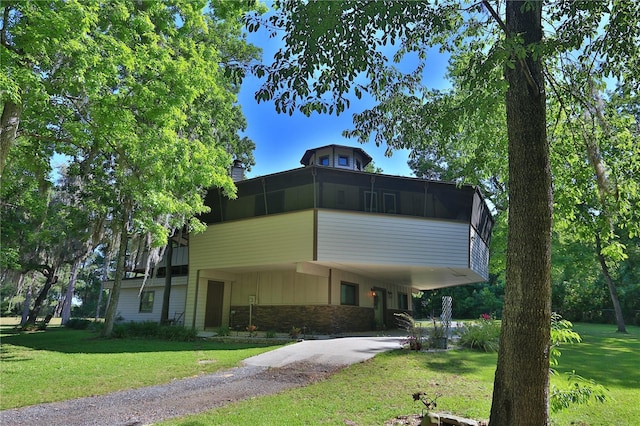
(337, 352)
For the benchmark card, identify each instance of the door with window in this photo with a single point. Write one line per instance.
(215, 298)
(379, 307)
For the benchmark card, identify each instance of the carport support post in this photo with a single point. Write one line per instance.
(252, 300)
(447, 314)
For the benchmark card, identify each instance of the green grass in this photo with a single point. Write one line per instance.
(60, 364)
(380, 389)
(372, 392)
(611, 359)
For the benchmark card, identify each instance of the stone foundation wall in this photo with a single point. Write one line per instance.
(330, 319)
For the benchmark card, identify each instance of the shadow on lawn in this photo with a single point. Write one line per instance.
(64, 340)
(605, 356)
(455, 361)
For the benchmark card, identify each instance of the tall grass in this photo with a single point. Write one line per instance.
(483, 335)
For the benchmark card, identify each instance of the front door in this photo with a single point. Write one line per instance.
(213, 313)
(379, 307)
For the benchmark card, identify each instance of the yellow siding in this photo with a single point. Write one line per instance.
(280, 288)
(260, 241)
(264, 240)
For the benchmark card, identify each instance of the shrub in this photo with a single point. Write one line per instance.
(152, 330)
(120, 331)
(579, 390)
(177, 333)
(253, 330)
(414, 339)
(144, 329)
(294, 332)
(270, 334)
(78, 323)
(223, 331)
(483, 335)
(437, 336)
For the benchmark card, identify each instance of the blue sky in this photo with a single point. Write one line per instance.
(281, 140)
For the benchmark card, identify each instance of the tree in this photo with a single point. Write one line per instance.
(36, 38)
(141, 97)
(331, 47)
(42, 230)
(598, 171)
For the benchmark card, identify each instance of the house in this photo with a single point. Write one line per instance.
(328, 247)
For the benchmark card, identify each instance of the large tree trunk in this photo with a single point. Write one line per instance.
(110, 315)
(105, 277)
(68, 298)
(97, 314)
(8, 129)
(25, 305)
(613, 292)
(166, 296)
(521, 387)
(52, 278)
(608, 194)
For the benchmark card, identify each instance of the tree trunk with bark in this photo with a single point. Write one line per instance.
(9, 122)
(166, 296)
(52, 278)
(110, 315)
(521, 386)
(613, 292)
(68, 298)
(25, 305)
(608, 194)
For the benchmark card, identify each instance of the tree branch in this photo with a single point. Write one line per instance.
(525, 66)
(496, 16)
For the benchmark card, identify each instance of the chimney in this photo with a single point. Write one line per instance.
(237, 171)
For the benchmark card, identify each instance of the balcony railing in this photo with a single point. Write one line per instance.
(327, 188)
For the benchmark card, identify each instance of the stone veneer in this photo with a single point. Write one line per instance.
(332, 319)
(314, 318)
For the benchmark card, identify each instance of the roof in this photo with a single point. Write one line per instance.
(310, 152)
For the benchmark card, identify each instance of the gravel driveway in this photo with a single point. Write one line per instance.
(178, 398)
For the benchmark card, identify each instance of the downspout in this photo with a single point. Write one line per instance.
(220, 204)
(231, 311)
(257, 288)
(315, 191)
(195, 300)
(329, 278)
(373, 179)
(264, 195)
(426, 190)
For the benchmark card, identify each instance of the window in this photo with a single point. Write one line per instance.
(176, 270)
(348, 294)
(146, 301)
(403, 301)
(324, 161)
(389, 203)
(343, 160)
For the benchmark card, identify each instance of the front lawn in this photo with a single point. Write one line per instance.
(378, 390)
(59, 364)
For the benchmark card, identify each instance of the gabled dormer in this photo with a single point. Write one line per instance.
(337, 156)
